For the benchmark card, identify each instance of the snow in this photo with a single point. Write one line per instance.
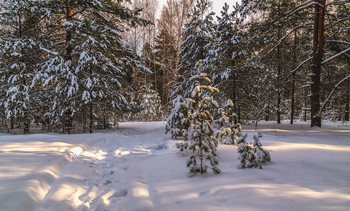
(138, 167)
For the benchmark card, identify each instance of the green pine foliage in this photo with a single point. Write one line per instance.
(252, 155)
(179, 122)
(201, 134)
(228, 131)
(150, 104)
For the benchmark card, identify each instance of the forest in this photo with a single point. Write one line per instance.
(80, 65)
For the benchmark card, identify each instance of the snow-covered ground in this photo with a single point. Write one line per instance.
(137, 167)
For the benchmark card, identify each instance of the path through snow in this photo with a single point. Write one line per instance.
(137, 167)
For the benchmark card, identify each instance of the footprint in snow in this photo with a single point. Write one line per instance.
(120, 194)
(107, 182)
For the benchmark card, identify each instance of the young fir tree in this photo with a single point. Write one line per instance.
(179, 121)
(252, 155)
(202, 141)
(150, 104)
(228, 132)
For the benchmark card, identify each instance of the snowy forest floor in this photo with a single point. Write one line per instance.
(137, 167)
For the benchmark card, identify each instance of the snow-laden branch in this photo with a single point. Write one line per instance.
(339, 41)
(297, 68)
(331, 94)
(300, 7)
(285, 36)
(335, 56)
(337, 2)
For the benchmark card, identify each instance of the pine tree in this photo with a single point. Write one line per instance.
(89, 66)
(198, 36)
(228, 131)
(227, 54)
(20, 51)
(166, 54)
(202, 141)
(150, 104)
(179, 121)
(252, 155)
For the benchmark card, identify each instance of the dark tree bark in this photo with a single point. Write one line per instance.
(84, 119)
(234, 95)
(279, 67)
(317, 55)
(346, 118)
(91, 118)
(293, 79)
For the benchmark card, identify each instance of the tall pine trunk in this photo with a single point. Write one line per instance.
(279, 67)
(84, 119)
(234, 95)
(317, 55)
(346, 118)
(293, 79)
(91, 117)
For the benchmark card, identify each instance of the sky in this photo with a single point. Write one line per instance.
(217, 4)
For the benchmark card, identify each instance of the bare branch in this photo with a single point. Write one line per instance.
(297, 68)
(331, 94)
(335, 56)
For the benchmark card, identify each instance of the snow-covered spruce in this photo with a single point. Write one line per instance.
(179, 122)
(201, 134)
(228, 131)
(91, 73)
(20, 50)
(199, 34)
(251, 155)
(150, 104)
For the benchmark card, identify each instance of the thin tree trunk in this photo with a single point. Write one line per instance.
(305, 104)
(12, 122)
(279, 67)
(318, 51)
(234, 95)
(293, 82)
(84, 119)
(91, 118)
(346, 118)
(104, 117)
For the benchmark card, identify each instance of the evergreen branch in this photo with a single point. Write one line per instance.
(337, 2)
(301, 7)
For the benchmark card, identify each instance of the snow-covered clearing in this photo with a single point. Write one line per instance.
(137, 167)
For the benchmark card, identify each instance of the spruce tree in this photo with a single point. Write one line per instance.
(202, 141)
(20, 52)
(87, 65)
(178, 121)
(198, 37)
(228, 131)
(150, 104)
(251, 155)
